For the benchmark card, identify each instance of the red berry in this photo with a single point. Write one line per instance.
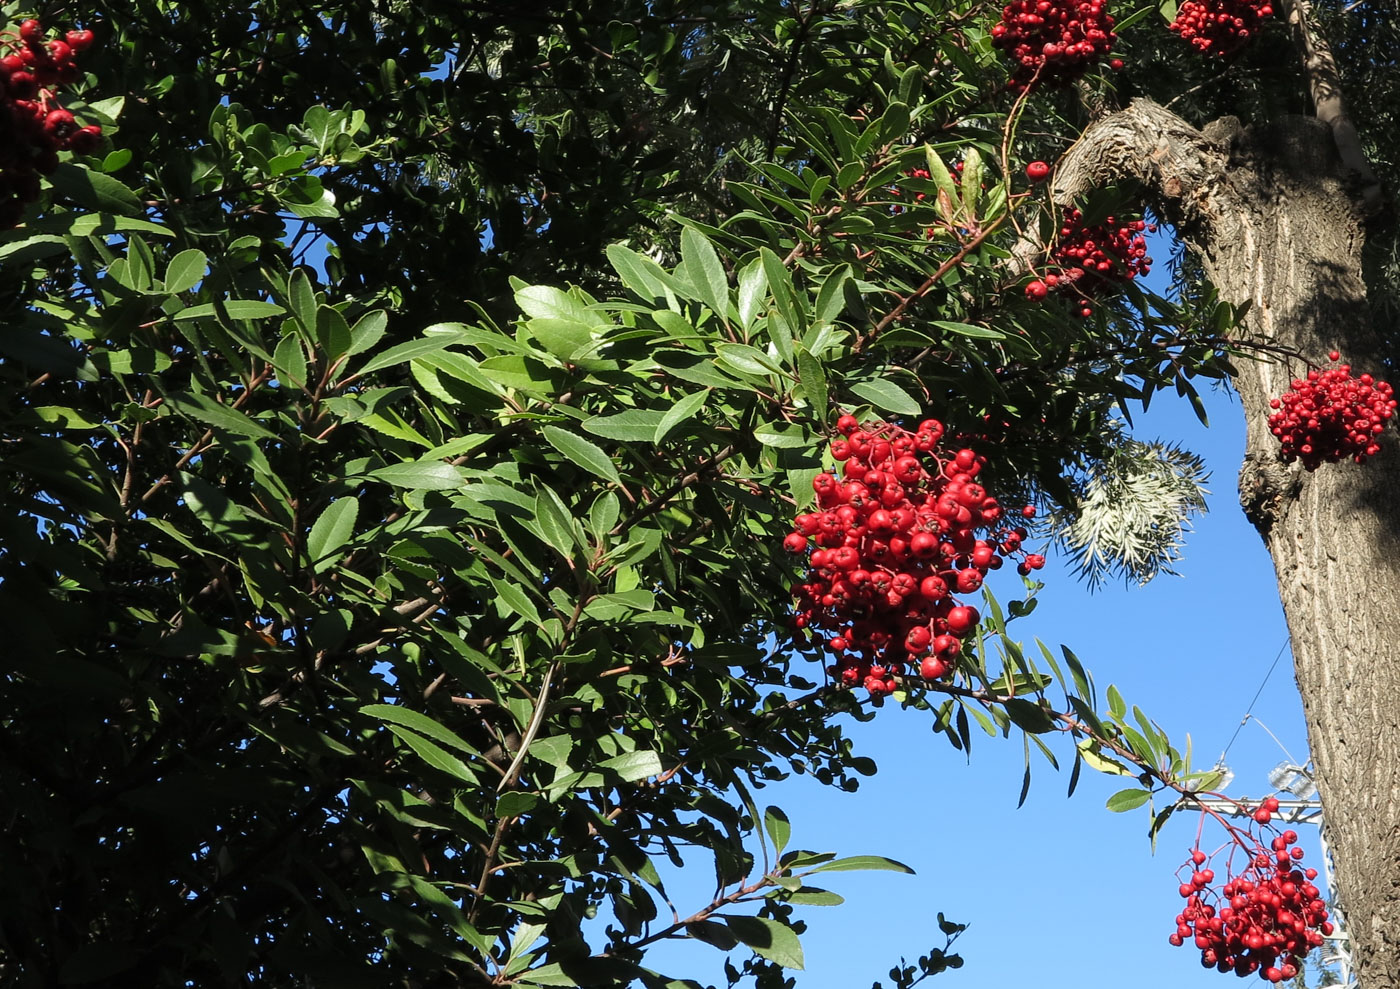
(1037, 171)
(1036, 290)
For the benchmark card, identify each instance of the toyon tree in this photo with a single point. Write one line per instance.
(455, 454)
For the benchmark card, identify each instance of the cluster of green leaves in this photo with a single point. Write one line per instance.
(377, 602)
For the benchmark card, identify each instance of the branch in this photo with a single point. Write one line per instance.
(1325, 87)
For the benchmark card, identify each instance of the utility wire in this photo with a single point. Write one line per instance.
(1245, 720)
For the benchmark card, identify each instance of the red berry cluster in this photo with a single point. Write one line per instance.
(1220, 26)
(1053, 41)
(1265, 919)
(1092, 257)
(894, 542)
(33, 128)
(1329, 415)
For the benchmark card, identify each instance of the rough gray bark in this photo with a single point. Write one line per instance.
(1275, 219)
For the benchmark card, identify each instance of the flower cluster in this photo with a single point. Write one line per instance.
(1053, 41)
(891, 545)
(1263, 919)
(1220, 27)
(1329, 416)
(34, 126)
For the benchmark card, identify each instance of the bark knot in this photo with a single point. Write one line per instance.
(1265, 484)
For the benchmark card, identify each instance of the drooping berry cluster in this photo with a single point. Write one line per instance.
(1220, 27)
(891, 545)
(1091, 257)
(1329, 415)
(33, 127)
(1263, 919)
(1053, 41)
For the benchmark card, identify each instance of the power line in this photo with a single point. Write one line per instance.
(1250, 710)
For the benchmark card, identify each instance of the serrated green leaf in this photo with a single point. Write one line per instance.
(209, 412)
(678, 413)
(705, 271)
(436, 756)
(886, 395)
(582, 452)
(185, 270)
(769, 939)
(436, 338)
(422, 475)
(814, 386)
(420, 723)
(633, 766)
(231, 309)
(969, 330)
(332, 529)
(516, 600)
(631, 426)
(753, 288)
(779, 829)
(785, 435)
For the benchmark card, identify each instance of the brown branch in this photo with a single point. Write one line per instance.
(1325, 87)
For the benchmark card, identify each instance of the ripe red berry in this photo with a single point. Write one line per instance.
(889, 547)
(1036, 290)
(31, 31)
(1037, 171)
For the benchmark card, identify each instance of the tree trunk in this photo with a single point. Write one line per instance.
(1276, 226)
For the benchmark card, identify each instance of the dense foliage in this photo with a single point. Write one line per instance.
(403, 409)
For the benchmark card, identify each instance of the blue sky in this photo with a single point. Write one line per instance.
(1060, 889)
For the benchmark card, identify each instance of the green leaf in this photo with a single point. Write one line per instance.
(633, 766)
(289, 359)
(968, 330)
(436, 756)
(780, 284)
(420, 723)
(231, 309)
(580, 451)
(1028, 716)
(1090, 753)
(860, 863)
(547, 302)
(423, 475)
(546, 975)
(768, 939)
(746, 360)
(96, 190)
(632, 426)
(367, 331)
(832, 299)
(971, 180)
(703, 268)
(435, 338)
(212, 413)
(332, 332)
(753, 287)
(782, 434)
(640, 274)
(516, 600)
(814, 385)
(1125, 800)
(678, 413)
(332, 529)
(185, 271)
(775, 822)
(886, 395)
